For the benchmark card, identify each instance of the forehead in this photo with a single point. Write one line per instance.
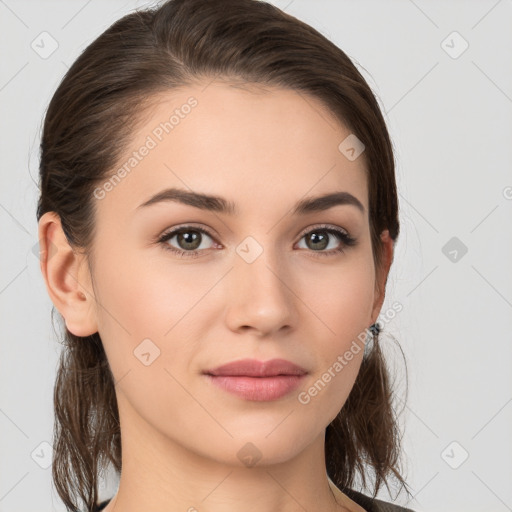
(258, 144)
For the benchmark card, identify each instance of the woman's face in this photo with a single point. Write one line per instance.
(265, 282)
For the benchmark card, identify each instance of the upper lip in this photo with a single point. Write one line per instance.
(255, 368)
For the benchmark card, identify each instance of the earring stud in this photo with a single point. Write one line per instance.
(375, 329)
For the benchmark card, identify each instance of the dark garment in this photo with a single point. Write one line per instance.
(373, 504)
(369, 504)
(102, 505)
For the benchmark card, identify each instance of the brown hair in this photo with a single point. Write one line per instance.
(96, 109)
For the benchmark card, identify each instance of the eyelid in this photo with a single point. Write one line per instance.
(185, 226)
(203, 229)
(322, 226)
(341, 233)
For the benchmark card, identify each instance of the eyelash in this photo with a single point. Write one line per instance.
(345, 238)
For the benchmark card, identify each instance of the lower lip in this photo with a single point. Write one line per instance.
(258, 388)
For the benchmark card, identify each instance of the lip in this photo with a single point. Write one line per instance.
(257, 380)
(255, 368)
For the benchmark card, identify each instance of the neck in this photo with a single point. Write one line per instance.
(161, 475)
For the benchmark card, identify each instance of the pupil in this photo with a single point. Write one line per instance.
(322, 238)
(189, 239)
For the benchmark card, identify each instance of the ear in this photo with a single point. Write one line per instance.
(382, 273)
(67, 277)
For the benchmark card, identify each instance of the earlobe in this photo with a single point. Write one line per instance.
(66, 276)
(382, 273)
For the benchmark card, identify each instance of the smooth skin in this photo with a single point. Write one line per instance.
(264, 150)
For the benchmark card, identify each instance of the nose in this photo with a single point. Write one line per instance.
(260, 296)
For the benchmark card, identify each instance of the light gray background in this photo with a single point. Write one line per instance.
(450, 118)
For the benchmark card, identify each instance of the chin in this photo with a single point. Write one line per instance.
(271, 446)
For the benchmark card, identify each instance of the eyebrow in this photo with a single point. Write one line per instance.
(219, 204)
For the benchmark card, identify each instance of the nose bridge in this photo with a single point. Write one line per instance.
(259, 266)
(260, 296)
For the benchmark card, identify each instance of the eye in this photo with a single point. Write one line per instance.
(188, 238)
(319, 238)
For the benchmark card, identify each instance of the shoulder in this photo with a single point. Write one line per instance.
(374, 504)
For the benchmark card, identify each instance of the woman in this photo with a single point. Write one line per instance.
(217, 219)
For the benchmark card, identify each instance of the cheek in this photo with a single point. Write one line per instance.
(341, 298)
(147, 297)
(143, 325)
(342, 303)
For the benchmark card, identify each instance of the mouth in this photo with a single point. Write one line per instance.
(255, 368)
(257, 381)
